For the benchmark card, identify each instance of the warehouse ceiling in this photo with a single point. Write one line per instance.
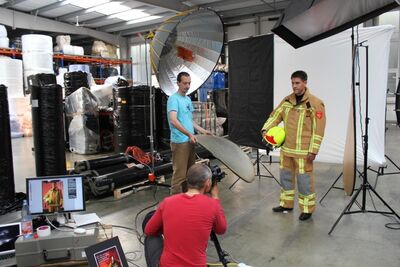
(126, 18)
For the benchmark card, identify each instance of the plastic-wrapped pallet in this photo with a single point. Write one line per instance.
(72, 50)
(3, 31)
(37, 54)
(103, 93)
(62, 40)
(11, 76)
(4, 42)
(99, 48)
(82, 109)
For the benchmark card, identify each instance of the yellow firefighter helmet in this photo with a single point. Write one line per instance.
(275, 136)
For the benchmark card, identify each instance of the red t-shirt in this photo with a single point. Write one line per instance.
(186, 223)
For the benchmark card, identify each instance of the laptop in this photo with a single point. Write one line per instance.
(8, 235)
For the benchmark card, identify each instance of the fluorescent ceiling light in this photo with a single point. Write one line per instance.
(109, 8)
(143, 19)
(86, 3)
(130, 14)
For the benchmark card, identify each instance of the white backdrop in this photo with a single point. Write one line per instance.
(328, 65)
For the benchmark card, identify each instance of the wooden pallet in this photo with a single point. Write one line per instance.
(129, 189)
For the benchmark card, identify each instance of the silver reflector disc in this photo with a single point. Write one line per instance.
(230, 154)
(192, 42)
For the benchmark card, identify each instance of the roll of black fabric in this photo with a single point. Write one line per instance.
(99, 163)
(75, 80)
(162, 126)
(48, 130)
(7, 190)
(132, 175)
(121, 118)
(139, 109)
(41, 79)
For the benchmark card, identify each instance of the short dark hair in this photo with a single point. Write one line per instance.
(197, 176)
(299, 74)
(183, 73)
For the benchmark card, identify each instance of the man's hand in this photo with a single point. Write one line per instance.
(263, 133)
(192, 139)
(206, 132)
(311, 157)
(214, 191)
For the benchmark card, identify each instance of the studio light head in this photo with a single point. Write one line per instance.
(307, 21)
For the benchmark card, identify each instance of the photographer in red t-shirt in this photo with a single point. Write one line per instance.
(186, 220)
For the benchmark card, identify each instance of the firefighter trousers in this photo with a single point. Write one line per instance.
(300, 168)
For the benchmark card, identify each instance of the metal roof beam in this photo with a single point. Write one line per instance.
(72, 15)
(102, 18)
(173, 5)
(254, 10)
(16, 19)
(144, 28)
(47, 8)
(126, 23)
(221, 3)
(12, 3)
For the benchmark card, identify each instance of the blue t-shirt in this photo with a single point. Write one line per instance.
(184, 108)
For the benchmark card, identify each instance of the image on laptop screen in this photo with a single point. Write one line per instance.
(8, 235)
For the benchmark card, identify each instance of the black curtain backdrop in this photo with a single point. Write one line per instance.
(251, 73)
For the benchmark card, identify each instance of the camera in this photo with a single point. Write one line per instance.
(217, 174)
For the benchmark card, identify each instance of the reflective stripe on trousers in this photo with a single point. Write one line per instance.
(289, 169)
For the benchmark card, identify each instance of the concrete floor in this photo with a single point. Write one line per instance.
(255, 235)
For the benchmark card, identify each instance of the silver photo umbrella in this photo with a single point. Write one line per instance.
(191, 41)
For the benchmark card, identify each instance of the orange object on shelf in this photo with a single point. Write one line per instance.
(78, 59)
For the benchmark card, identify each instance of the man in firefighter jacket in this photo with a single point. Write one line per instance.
(304, 121)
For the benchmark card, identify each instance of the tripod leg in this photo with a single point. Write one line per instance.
(346, 209)
(330, 188)
(392, 162)
(237, 180)
(384, 202)
(221, 254)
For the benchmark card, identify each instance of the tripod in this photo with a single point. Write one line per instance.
(257, 163)
(221, 253)
(365, 185)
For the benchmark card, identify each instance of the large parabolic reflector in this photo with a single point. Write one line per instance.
(191, 41)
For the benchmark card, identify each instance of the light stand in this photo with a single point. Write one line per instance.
(152, 181)
(257, 163)
(365, 184)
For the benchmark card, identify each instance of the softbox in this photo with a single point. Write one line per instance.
(307, 21)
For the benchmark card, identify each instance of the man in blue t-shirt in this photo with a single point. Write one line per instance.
(180, 119)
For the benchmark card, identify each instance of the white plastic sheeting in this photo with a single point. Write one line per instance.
(11, 76)
(37, 54)
(329, 67)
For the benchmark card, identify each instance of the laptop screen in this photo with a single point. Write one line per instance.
(8, 235)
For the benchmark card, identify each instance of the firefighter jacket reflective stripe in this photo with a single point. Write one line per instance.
(304, 124)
